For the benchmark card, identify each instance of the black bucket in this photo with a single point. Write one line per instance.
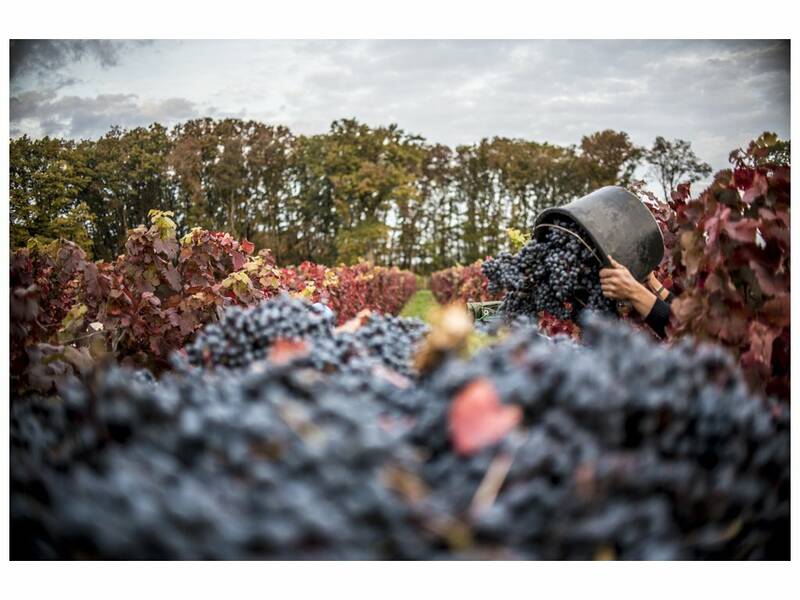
(617, 224)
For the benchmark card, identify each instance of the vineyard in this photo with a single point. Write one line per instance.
(155, 297)
(195, 399)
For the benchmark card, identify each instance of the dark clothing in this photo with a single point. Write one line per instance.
(658, 317)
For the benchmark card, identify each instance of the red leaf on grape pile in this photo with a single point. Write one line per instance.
(284, 350)
(478, 419)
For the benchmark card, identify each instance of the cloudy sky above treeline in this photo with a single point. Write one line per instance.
(717, 94)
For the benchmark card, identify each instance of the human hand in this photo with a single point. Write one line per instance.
(617, 282)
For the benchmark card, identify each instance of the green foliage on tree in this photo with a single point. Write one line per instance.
(609, 158)
(46, 177)
(674, 162)
(127, 176)
(356, 191)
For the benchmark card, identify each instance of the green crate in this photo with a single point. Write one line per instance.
(483, 311)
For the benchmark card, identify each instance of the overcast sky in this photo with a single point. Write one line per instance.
(716, 94)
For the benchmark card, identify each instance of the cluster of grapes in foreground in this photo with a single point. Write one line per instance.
(620, 448)
(554, 273)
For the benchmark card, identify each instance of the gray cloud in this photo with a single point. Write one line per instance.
(43, 56)
(46, 57)
(82, 117)
(716, 93)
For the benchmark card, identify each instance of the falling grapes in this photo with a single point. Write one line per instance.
(555, 273)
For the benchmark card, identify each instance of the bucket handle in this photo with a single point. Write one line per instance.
(573, 234)
(576, 236)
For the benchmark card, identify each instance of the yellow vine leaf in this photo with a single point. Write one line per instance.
(161, 221)
(517, 238)
(189, 237)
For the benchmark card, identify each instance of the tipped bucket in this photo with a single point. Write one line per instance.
(618, 224)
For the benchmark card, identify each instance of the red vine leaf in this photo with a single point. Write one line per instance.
(173, 277)
(478, 419)
(757, 188)
(777, 310)
(284, 351)
(761, 340)
(238, 260)
(770, 282)
(743, 230)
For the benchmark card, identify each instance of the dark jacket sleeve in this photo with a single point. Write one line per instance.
(658, 317)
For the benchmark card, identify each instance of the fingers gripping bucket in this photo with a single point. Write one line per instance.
(618, 224)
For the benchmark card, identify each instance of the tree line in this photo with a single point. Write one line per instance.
(376, 193)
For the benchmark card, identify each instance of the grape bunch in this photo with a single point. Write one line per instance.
(625, 449)
(244, 336)
(554, 273)
(393, 340)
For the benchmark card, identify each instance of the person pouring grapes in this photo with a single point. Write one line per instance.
(614, 217)
(650, 299)
(556, 272)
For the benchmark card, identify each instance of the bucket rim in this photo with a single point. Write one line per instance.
(557, 210)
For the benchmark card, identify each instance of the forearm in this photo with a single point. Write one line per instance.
(618, 284)
(642, 300)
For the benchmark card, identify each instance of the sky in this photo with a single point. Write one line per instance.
(717, 94)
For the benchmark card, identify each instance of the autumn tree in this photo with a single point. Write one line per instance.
(193, 150)
(311, 213)
(535, 175)
(369, 169)
(674, 162)
(475, 192)
(768, 149)
(46, 178)
(270, 215)
(355, 191)
(609, 158)
(439, 227)
(127, 177)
